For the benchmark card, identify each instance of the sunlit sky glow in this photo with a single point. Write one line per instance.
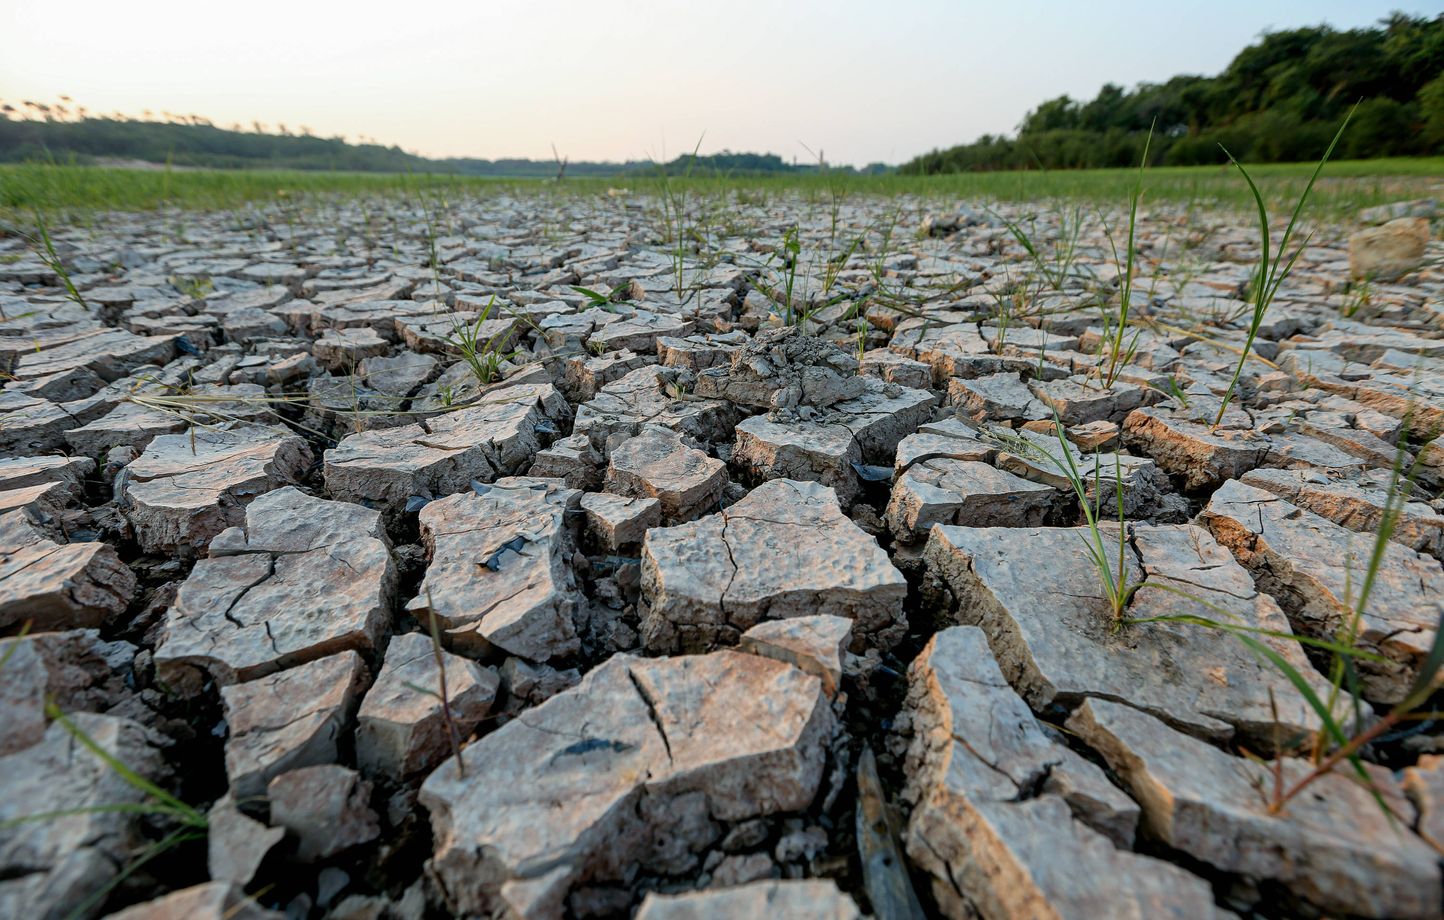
(625, 79)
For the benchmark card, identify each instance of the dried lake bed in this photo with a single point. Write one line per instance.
(589, 555)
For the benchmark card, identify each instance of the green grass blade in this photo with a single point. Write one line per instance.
(189, 814)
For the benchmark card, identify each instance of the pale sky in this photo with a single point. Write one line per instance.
(627, 79)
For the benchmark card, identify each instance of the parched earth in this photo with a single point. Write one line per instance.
(541, 565)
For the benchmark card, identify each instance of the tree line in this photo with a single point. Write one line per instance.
(1280, 100)
(61, 133)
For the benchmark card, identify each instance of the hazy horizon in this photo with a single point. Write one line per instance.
(621, 81)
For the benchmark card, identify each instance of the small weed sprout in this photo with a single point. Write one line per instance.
(1272, 270)
(1115, 326)
(618, 294)
(193, 288)
(1117, 591)
(791, 255)
(675, 217)
(45, 249)
(440, 693)
(481, 355)
(1359, 296)
(1057, 270)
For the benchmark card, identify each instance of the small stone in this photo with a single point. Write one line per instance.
(801, 846)
(325, 807)
(1093, 436)
(745, 836)
(1387, 252)
(534, 684)
(741, 868)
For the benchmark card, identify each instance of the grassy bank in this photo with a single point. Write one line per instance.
(1346, 186)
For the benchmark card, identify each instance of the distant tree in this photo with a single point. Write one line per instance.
(1280, 98)
(1431, 110)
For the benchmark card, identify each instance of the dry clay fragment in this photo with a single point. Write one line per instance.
(634, 765)
(288, 720)
(497, 436)
(236, 843)
(783, 368)
(500, 570)
(75, 670)
(1009, 821)
(27, 472)
(785, 550)
(325, 807)
(657, 464)
(1424, 784)
(186, 488)
(1201, 455)
(816, 644)
(57, 586)
(401, 730)
(652, 396)
(963, 492)
(1055, 641)
(614, 522)
(1314, 567)
(304, 578)
(1332, 846)
(51, 867)
(1359, 506)
(830, 446)
(803, 899)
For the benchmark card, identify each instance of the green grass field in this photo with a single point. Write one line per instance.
(1346, 186)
